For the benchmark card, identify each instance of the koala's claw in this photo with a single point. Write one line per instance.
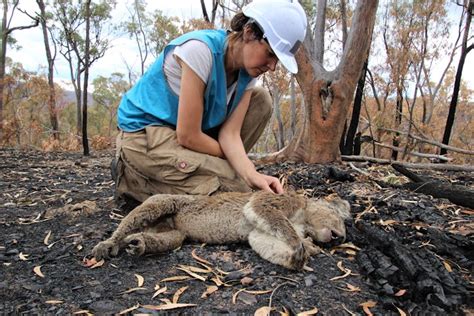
(135, 244)
(105, 249)
(310, 247)
(299, 257)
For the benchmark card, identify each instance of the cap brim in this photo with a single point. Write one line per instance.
(288, 61)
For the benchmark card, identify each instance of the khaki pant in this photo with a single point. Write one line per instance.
(151, 161)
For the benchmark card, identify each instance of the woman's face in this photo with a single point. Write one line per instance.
(258, 57)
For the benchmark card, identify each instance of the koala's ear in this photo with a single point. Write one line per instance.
(344, 209)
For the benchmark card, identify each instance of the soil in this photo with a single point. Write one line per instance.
(405, 252)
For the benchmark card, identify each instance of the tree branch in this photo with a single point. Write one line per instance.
(431, 166)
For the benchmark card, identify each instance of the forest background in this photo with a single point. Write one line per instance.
(401, 104)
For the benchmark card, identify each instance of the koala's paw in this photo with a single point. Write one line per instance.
(105, 249)
(299, 257)
(310, 247)
(135, 244)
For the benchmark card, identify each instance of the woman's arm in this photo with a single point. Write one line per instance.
(190, 112)
(233, 148)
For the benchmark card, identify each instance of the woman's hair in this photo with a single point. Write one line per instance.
(237, 25)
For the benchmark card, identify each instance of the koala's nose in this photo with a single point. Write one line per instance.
(338, 236)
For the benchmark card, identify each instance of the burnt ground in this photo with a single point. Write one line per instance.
(405, 252)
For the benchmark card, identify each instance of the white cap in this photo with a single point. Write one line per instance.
(283, 23)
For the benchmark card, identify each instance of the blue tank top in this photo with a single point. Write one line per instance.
(152, 102)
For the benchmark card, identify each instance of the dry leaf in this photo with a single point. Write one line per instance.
(402, 313)
(351, 288)
(347, 310)
(53, 302)
(197, 258)
(159, 291)
(313, 311)
(210, 289)
(263, 311)
(447, 266)
(166, 301)
(178, 293)
(234, 296)
(347, 272)
(217, 281)
(176, 278)
(133, 290)
(401, 292)
(258, 292)
(38, 272)
(98, 264)
(140, 279)
(388, 222)
(307, 268)
(194, 275)
(284, 312)
(196, 269)
(366, 307)
(167, 306)
(128, 310)
(23, 257)
(348, 245)
(89, 262)
(83, 311)
(46, 239)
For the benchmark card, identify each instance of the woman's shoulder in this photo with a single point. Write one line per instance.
(213, 38)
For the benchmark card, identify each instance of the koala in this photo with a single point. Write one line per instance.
(280, 228)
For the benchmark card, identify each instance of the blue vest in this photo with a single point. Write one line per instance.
(152, 102)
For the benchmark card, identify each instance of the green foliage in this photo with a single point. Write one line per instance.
(107, 94)
(164, 30)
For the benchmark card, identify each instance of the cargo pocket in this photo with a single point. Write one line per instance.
(175, 168)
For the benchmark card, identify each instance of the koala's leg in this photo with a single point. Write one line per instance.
(277, 251)
(150, 242)
(273, 222)
(150, 211)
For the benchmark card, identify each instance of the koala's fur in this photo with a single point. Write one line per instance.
(280, 228)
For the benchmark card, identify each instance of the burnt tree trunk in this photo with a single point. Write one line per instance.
(3, 54)
(53, 117)
(85, 142)
(328, 95)
(348, 147)
(457, 82)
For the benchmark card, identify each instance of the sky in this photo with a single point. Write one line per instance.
(32, 55)
(33, 58)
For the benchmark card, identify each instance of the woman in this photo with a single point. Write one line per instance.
(188, 123)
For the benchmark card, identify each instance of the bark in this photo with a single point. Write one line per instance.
(319, 31)
(457, 82)
(327, 96)
(85, 142)
(53, 117)
(292, 107)
(280, 135)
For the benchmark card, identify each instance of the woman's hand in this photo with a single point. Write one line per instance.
(265, 183)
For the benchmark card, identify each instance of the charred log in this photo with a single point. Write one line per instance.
(392, 265)
(457, 194)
